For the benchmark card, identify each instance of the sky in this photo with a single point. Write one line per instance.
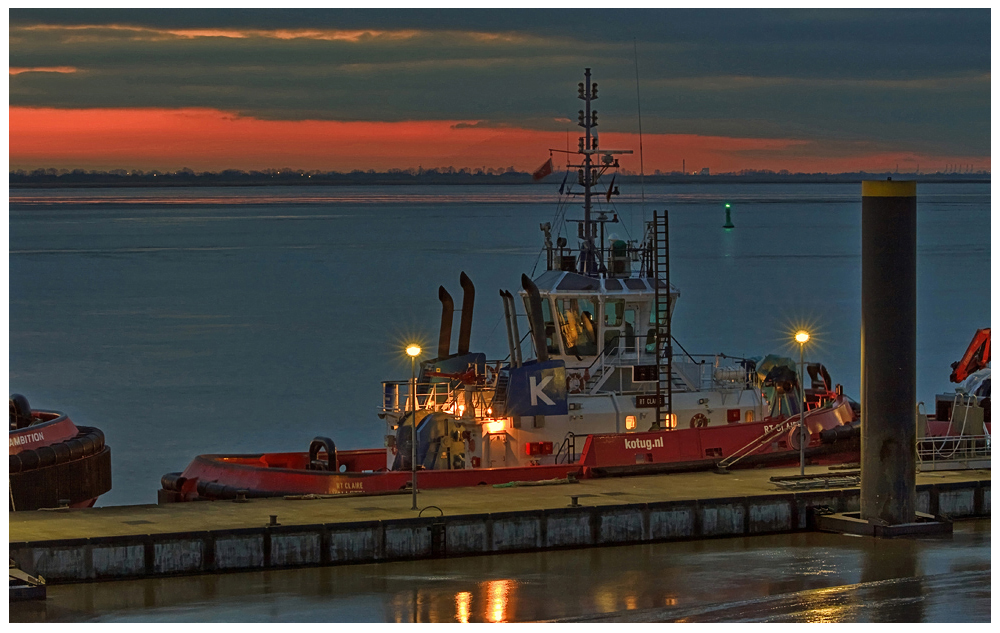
(803, 90)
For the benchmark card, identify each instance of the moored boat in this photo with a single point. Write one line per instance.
(54, 462)
(602, 387)
(957, 432)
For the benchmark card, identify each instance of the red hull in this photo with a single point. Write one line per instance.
(53, 462)
(273, 474)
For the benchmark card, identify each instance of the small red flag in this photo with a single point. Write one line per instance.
(543, 171)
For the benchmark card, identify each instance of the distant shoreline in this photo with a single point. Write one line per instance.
(80, 180)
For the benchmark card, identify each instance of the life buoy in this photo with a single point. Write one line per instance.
(699, 420)
(574, 383)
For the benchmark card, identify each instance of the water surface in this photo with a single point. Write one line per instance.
(803, 577)
(184, 321)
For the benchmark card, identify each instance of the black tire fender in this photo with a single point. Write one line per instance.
(28, 459)
(63, 452)
(46, 456)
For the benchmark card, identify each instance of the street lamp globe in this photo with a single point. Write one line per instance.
(413, 350)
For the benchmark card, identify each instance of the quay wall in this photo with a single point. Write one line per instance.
(286, 546)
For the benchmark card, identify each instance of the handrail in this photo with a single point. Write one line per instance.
(674, 339)
(739, 454)
(526, 335)
(569, 440)
(607, 349)
(963, 448)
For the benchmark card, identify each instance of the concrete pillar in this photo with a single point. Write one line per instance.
(888, 351)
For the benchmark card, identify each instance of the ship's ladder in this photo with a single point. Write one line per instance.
(499, 403)
(661, 297)
(768, 437)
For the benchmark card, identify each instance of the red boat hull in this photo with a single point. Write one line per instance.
(54, 462)
(364, 471)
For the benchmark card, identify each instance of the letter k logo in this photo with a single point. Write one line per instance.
(536, 391)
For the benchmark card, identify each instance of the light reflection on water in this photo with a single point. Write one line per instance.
(463, 600)
(765, 578)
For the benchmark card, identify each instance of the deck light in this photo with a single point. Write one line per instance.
(801, 337)
(413, 351)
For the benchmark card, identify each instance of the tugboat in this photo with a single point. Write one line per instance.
(53, 462)
(604, 390)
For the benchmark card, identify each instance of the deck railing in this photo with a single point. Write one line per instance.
(953, 452)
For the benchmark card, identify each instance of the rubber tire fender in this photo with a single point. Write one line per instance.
(74, 448)
(62, 451)
(29, 460)
(46, 456)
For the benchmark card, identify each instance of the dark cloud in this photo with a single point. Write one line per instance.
(916, 80)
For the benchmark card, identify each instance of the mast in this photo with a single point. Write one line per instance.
(589, 172)
(587, 120)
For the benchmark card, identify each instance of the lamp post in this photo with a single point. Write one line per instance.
(413, 351)
(801, 337)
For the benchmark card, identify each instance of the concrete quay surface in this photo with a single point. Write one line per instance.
(209, 537)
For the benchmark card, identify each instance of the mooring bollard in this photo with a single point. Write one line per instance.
(573, 502)
(888, 350)
(241, 496)
(274, 520)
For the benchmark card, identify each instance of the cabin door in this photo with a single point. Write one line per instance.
(620, 321)
(497, 457)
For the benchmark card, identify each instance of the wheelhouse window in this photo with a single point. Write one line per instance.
(614, 311)
(550, 328)
(576, 322)
(651, 332)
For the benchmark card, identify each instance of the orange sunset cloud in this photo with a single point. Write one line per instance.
(208, 139)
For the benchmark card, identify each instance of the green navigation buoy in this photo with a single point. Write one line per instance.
(729, 221)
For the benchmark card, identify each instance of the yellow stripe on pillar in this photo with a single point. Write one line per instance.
(888, 188)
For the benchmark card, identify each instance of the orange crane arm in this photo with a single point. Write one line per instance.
(976, 356)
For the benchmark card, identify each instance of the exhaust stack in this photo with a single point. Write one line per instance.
(465, 327)
(513, 336)
(535, 318)
(447, 313)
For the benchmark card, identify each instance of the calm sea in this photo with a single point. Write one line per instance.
(803, 577)
(188, 321)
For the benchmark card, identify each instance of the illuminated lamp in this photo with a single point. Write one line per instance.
(630, 422)
(495, 426)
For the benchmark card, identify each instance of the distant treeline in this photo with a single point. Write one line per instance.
(445, 176)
